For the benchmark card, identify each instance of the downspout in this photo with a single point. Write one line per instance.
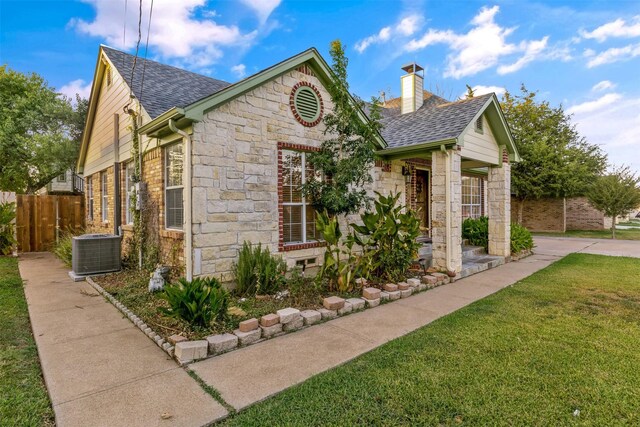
(447, 198)
(188, 238)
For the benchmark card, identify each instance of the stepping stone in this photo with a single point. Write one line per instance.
(221, 343)
(406, 293)
(384, 296)
(269, 320)
(310, 317)
(373, 303)
(246, 338)
(248, 325)
(356, 303)
(288, 315)
(297, 323)
(333, 303)
(394, 295)
(390, 287)
(346, 309)
(403, 286)
(188, 351)
(371, 293)
(328, 314)
(269, 331)
(413, 282)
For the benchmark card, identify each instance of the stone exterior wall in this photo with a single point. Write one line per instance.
(582, 216)
(541, 215)
(499, 206)
(235, 173)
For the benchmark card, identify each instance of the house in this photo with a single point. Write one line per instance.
(66, 183)
(222, 162)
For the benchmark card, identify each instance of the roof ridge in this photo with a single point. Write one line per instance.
(460, 101)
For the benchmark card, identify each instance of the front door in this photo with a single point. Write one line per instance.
(422, 200)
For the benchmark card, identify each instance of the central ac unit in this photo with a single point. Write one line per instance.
(95, 254)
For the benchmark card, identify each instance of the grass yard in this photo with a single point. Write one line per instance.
(23, 397)
(564, 339)
(629, 234)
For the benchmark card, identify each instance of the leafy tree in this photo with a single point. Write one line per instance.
(615, 194)
(556, 160)
(39, 131)
(347, 156)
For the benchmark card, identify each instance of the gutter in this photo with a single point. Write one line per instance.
(188, 240)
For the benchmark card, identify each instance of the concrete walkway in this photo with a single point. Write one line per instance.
(99, 369)
(565, 245)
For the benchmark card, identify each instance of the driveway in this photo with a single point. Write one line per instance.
(561, 246)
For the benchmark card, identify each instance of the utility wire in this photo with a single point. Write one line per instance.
(146, 49)
(133, 67)
(124, 31)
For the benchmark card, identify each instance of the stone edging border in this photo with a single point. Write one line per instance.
(160, 342)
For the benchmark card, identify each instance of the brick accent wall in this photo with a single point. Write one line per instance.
(541, 215)
(582, 216)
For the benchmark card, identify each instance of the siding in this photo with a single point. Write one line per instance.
(481, 146)
(111, 100)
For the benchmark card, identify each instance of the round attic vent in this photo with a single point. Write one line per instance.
(306, 104)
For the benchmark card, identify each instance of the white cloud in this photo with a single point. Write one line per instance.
(596, 105)
(239, 70)
(615, 127)
(611, 55)
(483, 90)
(263, 8)
(617, 28)
(480, 48)
(603, 85)
(74, 87)
(406, 27)
(176, 32)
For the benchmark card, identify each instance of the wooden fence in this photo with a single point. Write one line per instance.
(41, 220)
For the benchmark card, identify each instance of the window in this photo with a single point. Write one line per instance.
(299, 217)
(128, 184)
(105, 196)
(174, 162)
(479, 125)
(90, 198)
(62, 177)
(471, 197)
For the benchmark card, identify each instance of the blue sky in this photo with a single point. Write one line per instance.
(583, 54)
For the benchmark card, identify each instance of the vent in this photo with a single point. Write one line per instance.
(479, 125)
(306, 104)
(95, 254)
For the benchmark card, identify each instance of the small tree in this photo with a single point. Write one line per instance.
(347, 157)
(615, 194)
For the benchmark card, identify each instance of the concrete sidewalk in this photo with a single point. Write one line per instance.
(565, 245)
(100, 370)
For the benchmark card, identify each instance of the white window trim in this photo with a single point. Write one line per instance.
(173, 187)
(303, 202)
(475, 192)
(104, 197)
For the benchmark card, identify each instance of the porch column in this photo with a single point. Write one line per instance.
(499, 208)
(439, 236)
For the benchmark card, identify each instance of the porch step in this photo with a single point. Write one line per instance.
(476, 264)
(472, 251)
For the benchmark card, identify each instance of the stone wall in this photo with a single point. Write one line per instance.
(499, 206)
(541, 215)
(235, 173)
(582, 216)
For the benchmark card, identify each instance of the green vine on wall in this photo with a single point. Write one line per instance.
(139, 235)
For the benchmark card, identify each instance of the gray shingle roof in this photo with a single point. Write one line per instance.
(165, 86)
(436, 120)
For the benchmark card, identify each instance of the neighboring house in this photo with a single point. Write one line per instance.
(560, 214)
(223, 162)
(65, 183)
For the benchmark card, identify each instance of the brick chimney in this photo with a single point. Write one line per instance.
(411, 88)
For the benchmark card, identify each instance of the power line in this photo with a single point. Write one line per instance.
(124, 31)
(146, 49)
(133, 67)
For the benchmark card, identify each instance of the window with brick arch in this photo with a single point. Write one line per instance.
(471, 197)
(174, 165)
(299, 216)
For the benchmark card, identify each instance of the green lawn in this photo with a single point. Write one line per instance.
(23, 397)
(630, 234)
(562, 340)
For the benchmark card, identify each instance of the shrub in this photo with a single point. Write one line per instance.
(64, 247)
(337, 269)
(520, 239)
(198, 302)
(388, 238)
(476, 231)
(257, 271)
(7, 227)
